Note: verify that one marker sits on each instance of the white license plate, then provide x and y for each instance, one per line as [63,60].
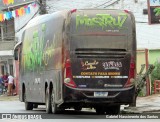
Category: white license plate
[100,94]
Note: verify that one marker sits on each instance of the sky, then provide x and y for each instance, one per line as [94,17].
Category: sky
[148,36]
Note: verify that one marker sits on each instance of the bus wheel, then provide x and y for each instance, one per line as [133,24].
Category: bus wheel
[78,108]
[100,110]
[48,101]
[55,109]
[28,105]
[112,110]
[133,104]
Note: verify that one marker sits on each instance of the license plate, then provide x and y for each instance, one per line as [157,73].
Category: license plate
[100,94]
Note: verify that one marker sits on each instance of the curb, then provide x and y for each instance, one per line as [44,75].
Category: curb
[9,98]
[140,110]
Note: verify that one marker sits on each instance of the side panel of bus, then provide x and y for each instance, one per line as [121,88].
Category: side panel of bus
[41,59]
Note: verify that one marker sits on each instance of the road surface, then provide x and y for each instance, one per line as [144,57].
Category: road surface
[16,107]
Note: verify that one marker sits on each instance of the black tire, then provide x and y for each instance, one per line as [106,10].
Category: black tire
[55,109]
[35,105]
[28,105]
[100,110]
[112,110]
[133,104]
[78,108]
[48,101]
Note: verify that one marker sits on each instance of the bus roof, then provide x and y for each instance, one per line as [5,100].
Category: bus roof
[43,18]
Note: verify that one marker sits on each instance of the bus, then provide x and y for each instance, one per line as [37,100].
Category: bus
[83,58]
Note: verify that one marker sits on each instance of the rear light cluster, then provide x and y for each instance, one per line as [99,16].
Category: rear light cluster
[126,11]
[131,73]
[74,10]
[68,81]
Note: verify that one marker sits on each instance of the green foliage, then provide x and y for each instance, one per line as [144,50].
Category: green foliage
[156,72]
[157,11]
[141,94]
[155,75]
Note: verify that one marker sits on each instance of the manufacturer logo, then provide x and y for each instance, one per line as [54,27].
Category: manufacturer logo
[112,65]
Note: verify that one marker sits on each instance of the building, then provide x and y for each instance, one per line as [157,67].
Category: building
[147,56]
[7,42]
[13,18]
[154,56]
[12,25]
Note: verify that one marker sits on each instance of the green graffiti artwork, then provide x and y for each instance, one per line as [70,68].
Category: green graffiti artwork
[101,20]
[33,51]
[157,11]
[38,49]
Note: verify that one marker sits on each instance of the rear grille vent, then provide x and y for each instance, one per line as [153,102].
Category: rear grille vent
[100,53]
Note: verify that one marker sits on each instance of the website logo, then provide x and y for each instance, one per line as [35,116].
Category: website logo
[6,116]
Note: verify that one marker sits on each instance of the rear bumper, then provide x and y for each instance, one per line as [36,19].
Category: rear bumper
[115,96]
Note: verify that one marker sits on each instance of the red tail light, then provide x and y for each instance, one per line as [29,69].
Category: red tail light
[131,73]
[74,10]
[68,69]
[68,81]
[126,11]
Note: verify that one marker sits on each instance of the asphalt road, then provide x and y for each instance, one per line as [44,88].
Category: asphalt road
[17,108]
